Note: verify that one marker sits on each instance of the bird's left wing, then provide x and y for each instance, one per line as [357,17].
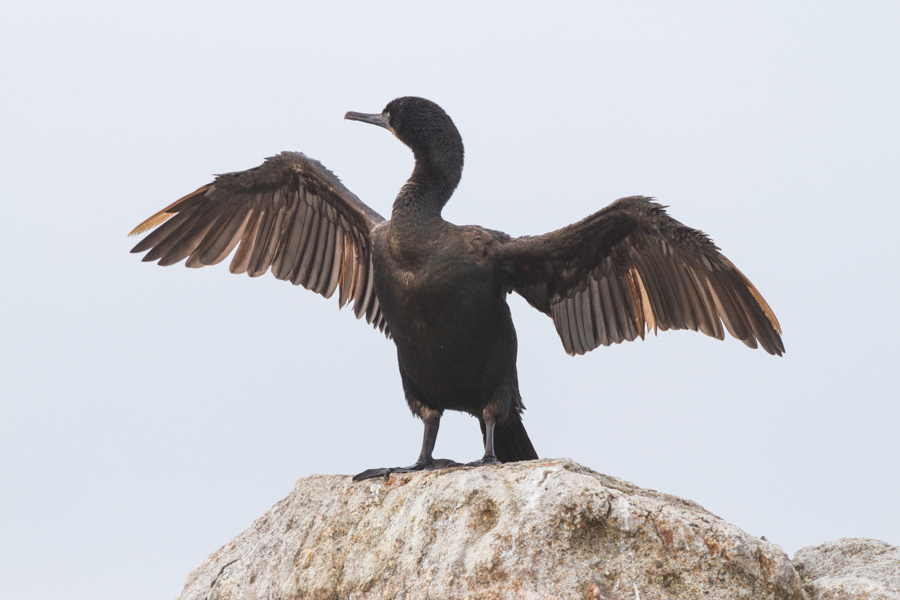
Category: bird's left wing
[291,214]
[628,268]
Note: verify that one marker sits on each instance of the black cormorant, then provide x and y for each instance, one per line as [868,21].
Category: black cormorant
[439,290]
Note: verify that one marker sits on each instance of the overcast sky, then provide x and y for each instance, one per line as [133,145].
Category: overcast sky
[150,414]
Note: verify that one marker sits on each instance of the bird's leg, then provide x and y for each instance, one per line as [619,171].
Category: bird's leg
[429,437]
[425,462]
[489,458]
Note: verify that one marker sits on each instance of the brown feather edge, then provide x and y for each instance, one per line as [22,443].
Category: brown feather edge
[166,213]
[757,296]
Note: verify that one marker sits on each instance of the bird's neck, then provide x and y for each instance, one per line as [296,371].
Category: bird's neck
[428,189]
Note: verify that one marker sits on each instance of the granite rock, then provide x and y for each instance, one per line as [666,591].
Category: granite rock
[850,569]
[531,530]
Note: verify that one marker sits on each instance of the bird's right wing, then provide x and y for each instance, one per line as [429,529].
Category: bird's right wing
[291,214]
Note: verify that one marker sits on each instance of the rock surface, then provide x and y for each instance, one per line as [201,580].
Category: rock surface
[850,569]
[534,530]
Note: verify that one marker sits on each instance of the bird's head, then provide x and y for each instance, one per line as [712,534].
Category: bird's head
[426,129]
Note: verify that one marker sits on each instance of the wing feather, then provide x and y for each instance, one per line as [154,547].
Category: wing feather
[162,232]
[245,249]
[185,228]
[270,246]
[349,271]
[267,219]
[630,268]
[324,279]
[292,247]
[227,239]
[315,267]
[287,228]
[337,257]
[597,316]
[711,314]
[191,240]
[310,236]
[290,215]
[656,295]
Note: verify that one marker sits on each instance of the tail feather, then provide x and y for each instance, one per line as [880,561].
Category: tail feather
[511,442]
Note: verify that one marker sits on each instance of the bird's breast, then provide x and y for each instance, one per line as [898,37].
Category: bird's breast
[438,292]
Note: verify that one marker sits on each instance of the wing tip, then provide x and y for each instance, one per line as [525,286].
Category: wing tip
[166,213]
[767,310]
[157,219]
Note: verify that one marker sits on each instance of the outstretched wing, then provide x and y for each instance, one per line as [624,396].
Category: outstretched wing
[290,214]
[629,268]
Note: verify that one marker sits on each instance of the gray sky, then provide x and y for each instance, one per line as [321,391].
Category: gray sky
[149,415]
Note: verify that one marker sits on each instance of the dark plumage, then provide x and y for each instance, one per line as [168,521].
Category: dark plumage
[439,290]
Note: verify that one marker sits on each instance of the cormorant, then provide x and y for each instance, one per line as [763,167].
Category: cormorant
[439,290]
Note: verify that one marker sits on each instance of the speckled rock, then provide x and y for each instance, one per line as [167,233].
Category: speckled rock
[532,530]
[850,569]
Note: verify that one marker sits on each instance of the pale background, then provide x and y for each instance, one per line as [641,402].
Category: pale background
[149,415]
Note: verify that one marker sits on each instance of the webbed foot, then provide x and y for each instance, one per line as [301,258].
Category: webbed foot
[440,463]
[487,460]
